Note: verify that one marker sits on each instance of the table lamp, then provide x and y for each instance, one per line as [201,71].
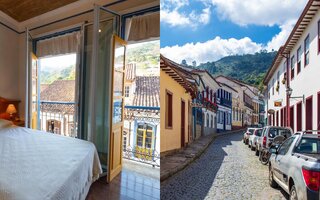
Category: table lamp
[11,110]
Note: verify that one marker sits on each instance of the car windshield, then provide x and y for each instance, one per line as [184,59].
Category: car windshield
[273,132]
[309,145]
[258,132]
[250,131]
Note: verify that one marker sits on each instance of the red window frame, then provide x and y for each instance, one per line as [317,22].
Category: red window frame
[169,112]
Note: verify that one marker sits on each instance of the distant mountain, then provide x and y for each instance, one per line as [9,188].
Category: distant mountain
[48,77]
[249,68]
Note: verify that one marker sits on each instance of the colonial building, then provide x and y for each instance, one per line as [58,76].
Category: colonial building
[206,101]
[224,113]
[177,88]
[292,82]
[57,108]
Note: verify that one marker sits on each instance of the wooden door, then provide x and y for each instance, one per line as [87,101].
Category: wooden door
[299,116]
[117,108]
[309,113]
[183,120]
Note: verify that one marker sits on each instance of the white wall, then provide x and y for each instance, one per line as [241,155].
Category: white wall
[307,82]
[9,65]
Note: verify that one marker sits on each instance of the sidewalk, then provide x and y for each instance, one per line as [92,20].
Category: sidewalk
[171,164]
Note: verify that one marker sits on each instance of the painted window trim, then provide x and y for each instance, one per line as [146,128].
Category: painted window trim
[166,107]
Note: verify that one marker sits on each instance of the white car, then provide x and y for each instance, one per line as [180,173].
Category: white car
[247,134]
[253,139]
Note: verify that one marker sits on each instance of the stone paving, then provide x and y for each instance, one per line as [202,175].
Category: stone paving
[228,169]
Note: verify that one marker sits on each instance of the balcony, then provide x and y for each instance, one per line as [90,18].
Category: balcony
[224,102]
[55,117]
[248,105]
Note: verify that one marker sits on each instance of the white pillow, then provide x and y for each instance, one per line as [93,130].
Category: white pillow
[5,123]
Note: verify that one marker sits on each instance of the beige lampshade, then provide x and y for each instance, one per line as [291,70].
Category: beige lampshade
[11,109]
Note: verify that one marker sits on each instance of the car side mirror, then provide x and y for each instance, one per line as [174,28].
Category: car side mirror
[274,149]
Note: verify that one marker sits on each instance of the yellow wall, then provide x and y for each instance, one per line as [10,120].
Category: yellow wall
[235,122]
[170,138]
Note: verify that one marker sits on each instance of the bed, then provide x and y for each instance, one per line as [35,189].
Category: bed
[37,165]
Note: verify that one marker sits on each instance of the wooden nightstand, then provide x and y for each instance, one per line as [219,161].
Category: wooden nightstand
[19,123]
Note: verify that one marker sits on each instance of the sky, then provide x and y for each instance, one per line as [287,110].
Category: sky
[58,62]
[207,30]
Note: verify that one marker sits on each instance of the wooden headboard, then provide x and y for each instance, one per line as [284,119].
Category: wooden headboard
[3,107]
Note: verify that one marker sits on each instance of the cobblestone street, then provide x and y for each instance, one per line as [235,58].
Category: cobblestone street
[228,169]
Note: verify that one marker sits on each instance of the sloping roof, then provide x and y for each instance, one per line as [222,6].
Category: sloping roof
[59,91]
[179,74]
[205,71]
[147,92]
[241,83]
[305,18]
[226,85]
[131,69]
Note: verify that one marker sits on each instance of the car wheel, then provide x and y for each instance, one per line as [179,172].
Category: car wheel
[293,193]
[272,182]
[252,148]
[257,151]
[249,145]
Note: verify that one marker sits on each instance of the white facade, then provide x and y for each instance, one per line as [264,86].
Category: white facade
[305,83]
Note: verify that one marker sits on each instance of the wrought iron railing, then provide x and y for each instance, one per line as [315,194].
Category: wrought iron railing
[56,117]
[147,156]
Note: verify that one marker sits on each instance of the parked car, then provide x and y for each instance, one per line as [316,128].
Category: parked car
[247,134]
[268,133]
[254,138]
[295,166]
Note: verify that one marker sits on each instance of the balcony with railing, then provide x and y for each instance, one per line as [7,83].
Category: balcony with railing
[55,117]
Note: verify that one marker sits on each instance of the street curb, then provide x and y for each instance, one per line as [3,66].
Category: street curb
[196,156]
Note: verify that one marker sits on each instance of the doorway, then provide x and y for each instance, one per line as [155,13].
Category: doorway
[292,117]
[56,95]
[299,116]
[183,114]
[309,113]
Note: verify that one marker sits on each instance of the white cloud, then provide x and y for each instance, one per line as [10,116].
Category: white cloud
[172,14]
[259,12]
[279,39]
[210,50]
[282,13]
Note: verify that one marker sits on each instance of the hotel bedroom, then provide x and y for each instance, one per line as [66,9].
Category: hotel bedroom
[59,137]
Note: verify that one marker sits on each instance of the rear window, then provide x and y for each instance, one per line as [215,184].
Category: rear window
[258,132]
[309,145]
[273,132]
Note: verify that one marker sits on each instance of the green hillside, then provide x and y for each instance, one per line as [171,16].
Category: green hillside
[47,77]
[250,68]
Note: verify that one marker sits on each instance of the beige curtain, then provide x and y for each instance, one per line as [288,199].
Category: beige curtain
[143,27]
[64,44]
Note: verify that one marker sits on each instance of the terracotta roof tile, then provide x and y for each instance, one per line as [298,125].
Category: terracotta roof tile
[147,91]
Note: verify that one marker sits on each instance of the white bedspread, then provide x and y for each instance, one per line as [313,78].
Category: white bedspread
[37,166]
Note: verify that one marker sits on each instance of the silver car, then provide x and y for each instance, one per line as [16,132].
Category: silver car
[253,139]
[295,166]
[268,133]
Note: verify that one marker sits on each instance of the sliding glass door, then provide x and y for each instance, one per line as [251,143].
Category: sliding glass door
[97,75]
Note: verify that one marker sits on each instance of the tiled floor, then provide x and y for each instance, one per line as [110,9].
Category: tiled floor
[130,184]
